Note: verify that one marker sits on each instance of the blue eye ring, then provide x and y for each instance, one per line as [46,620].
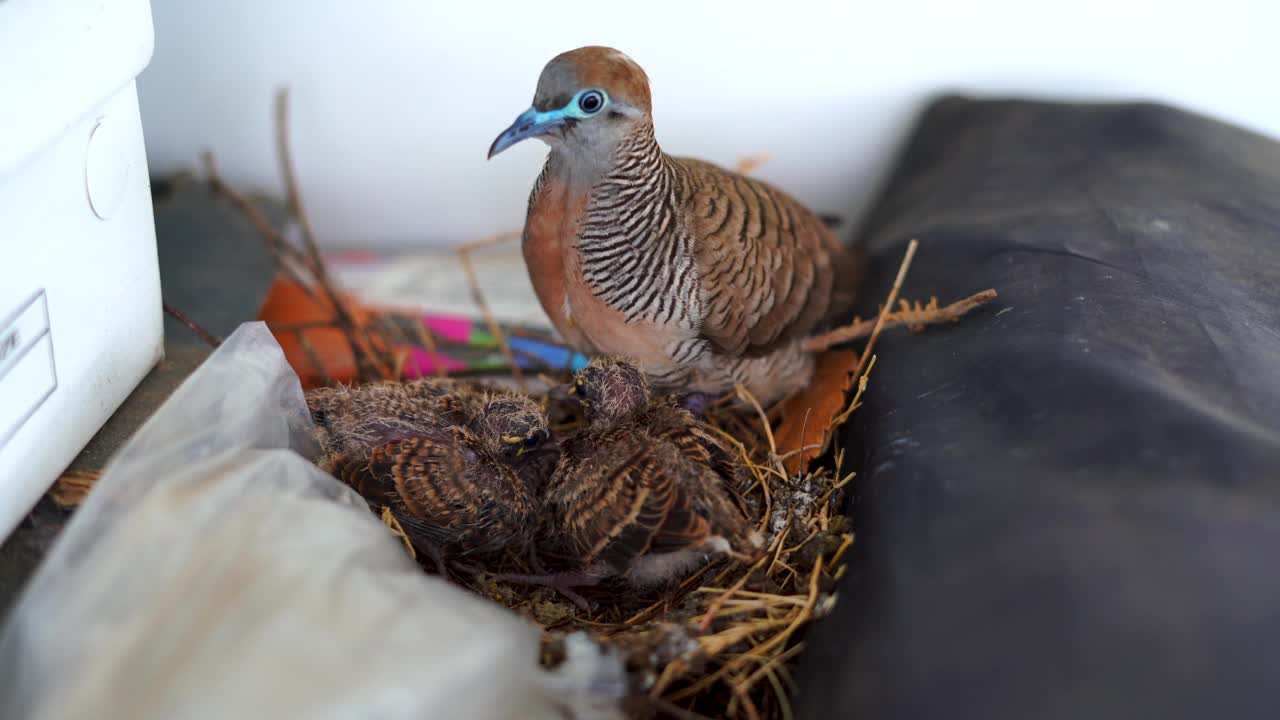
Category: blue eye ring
[591,102]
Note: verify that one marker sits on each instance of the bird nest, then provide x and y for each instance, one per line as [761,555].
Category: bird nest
[725,640]
[722,642]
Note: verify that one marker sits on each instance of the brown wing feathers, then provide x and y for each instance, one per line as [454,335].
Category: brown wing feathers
[766,264]
[418,480]
[637,506]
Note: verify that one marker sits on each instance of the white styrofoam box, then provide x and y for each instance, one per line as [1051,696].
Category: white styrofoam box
[80,311]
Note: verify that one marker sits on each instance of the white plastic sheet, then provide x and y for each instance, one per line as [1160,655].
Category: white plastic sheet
[216,573]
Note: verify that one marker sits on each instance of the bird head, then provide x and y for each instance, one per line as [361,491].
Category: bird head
[610,389]
[512,427]
[587,100]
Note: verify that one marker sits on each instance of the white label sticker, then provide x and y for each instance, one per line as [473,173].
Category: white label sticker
[27,373]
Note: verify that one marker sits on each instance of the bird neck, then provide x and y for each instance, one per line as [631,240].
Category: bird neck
[629,250]
[633,157]
[603,423]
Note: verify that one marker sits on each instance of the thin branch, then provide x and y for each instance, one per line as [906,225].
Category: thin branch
[804,427]
[275,240]
[750,163]
[884,312]
[710,615]
[393,523]
[856,402]
[428,340]
[491,240]
[205,335]
[284,254]
[670,709]
[771,663]
[295,328]
[804,616]
[464,255]
[369,365]
[313,357]
[395,331]
[913,318]
[746,394]
[293,196]
[73,487]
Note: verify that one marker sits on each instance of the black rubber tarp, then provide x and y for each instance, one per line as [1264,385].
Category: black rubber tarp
[1069,504]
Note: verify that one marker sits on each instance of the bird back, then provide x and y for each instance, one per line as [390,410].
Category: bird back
[770,269]
[352,420]
[444,490]
[623,493]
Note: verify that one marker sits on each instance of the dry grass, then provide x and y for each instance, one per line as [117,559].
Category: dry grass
[724,642]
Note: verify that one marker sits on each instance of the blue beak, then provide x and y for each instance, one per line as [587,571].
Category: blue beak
[530,124]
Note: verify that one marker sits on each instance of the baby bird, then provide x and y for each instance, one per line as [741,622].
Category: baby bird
[642,494]
[353,419]
[462,490]
[615,388]
[704,277]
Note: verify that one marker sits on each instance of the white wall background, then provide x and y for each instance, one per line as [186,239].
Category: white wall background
[395,102]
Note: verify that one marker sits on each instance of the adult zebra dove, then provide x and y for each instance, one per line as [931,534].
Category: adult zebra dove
[704,277]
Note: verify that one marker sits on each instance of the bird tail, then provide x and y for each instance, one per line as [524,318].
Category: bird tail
[850,272]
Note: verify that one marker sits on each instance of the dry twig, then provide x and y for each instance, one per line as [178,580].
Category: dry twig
[428,340]
[297,264]
[389,519]
[914,317]
[72,487]
[368,363]
[288,258]
[464,256]
[210,339]
[884,312]
[749,164]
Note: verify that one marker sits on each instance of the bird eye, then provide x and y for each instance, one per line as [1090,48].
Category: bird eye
[531,441]
[591,101]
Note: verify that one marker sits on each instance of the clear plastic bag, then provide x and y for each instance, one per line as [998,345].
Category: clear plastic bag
[214,572]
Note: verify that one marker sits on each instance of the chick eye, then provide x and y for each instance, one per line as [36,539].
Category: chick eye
[591,101]
[531,441]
